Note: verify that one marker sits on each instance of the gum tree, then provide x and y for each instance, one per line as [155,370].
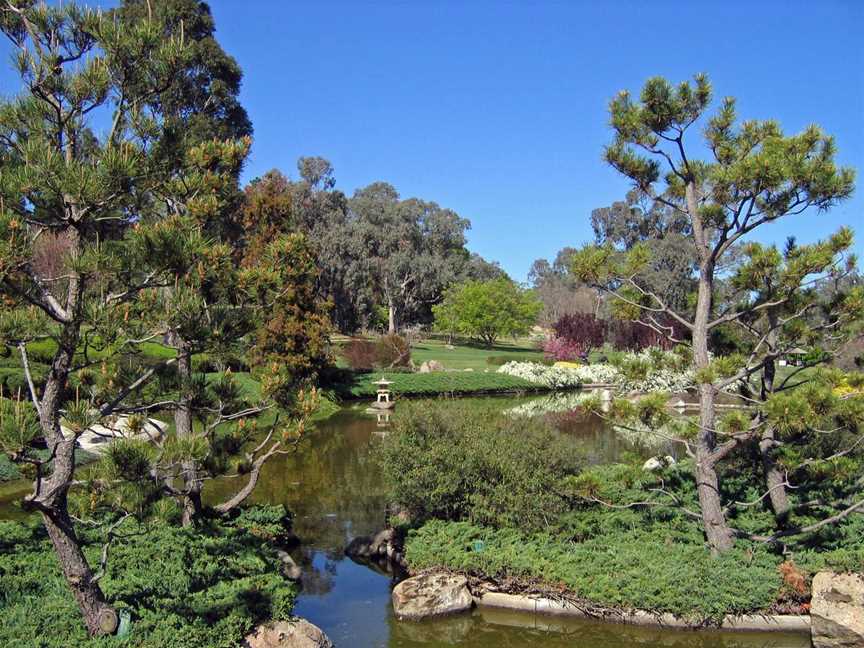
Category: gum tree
[740,177]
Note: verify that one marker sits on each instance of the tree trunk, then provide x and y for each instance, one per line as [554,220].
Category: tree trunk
[775,479]
[49,496]
[99,617]
[719,535]
[717,531]
[391,323]
[183,425]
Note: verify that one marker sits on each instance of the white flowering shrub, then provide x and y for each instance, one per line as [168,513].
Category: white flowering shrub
[651,370]
[561,377]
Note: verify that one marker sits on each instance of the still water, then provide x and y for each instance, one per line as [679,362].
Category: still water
[335,491]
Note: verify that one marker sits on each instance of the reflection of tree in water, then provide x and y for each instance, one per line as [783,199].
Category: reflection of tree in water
[318,579]
[331,483]
[596,439]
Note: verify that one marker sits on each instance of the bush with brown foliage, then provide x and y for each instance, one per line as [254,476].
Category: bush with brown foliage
[393,351]
[360,354]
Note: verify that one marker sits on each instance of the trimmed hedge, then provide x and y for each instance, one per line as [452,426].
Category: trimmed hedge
[437,382]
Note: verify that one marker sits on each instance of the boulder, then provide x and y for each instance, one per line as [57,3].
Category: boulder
[837,610]
[431,365]
[658,463]
[432,594]
[372,546]
[298,633]
[383,549]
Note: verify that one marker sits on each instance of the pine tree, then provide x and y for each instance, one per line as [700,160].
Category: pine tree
[107,244]
[62,181]
[754,175]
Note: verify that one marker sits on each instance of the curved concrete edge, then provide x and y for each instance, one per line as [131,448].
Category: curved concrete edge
[744,623]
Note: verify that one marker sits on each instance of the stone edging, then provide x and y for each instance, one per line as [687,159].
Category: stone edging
[539,605]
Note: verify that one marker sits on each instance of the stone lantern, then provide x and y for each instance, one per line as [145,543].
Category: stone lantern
[383,399]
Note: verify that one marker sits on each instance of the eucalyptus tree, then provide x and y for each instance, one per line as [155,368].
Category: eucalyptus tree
[665,232]
[410,247]
[752,174]
[559,291]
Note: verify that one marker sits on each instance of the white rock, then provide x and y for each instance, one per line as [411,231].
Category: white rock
[298,633]
[658,463]
[837,610]
[432,594]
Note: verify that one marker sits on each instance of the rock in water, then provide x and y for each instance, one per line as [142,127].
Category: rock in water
[371,546]
[298,633]
[837,610]
[431,595]
[290,568]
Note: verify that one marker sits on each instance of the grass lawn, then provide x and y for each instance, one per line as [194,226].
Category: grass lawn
[466,355]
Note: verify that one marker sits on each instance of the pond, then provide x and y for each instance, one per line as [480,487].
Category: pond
[335,491]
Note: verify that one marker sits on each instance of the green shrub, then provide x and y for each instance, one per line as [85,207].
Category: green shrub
[8,470]
[458,461]
[13,381]
[205,588]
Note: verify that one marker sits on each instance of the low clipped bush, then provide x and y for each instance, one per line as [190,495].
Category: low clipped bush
[437,383]
[207,587]
[458,461]
[13,381]
[657,569]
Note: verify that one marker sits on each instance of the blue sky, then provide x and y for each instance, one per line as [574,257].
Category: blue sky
[498,110]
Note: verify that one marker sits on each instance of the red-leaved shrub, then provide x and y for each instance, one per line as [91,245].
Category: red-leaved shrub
[561,349]
[582,330]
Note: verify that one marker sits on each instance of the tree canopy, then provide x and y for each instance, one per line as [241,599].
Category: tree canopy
[487,310]
[110,242]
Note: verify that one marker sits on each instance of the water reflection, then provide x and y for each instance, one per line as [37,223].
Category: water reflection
[493,628]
